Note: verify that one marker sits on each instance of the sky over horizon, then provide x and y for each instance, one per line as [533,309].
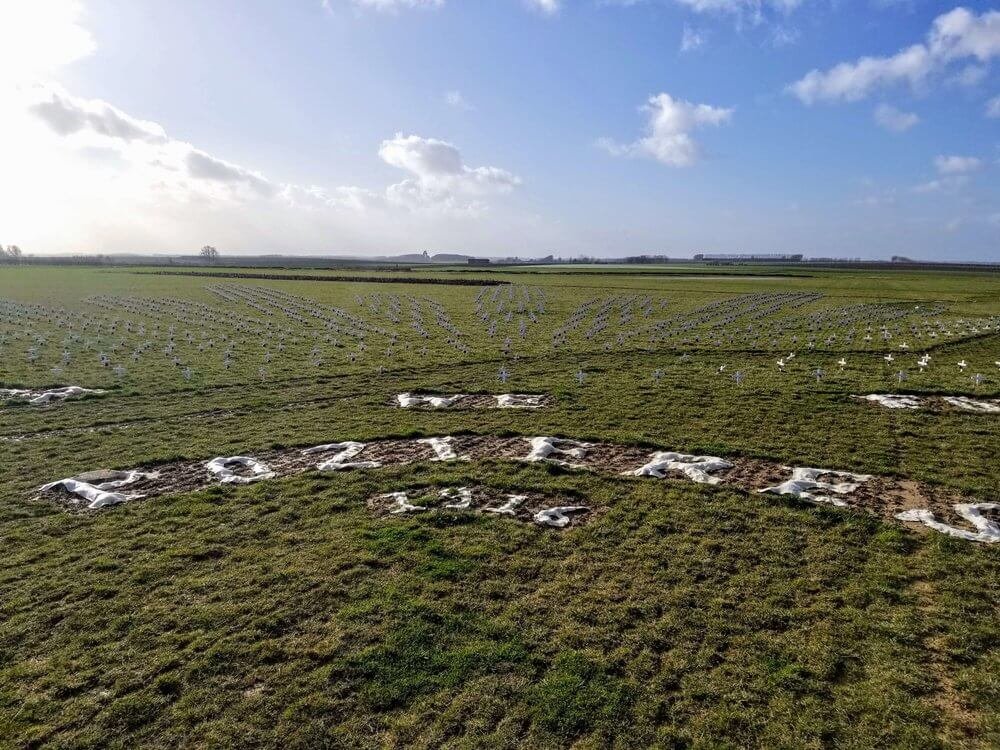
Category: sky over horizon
[501,127]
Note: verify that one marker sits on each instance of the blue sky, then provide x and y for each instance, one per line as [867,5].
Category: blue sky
[606,127]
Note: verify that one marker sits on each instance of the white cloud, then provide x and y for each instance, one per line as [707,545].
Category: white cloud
[753,7]
[39,36]
[66,115]
[391,6]
[953,171]
[893,119]
[456,100]
[315,197]
[942,185]
[546,7]
[691,39]
[205,167]
[970,76]
[742,11]
[947,165]
[439,176]
[668,131]
[854,81]
[993,107]
[783,36]
[81,174]
[959,34]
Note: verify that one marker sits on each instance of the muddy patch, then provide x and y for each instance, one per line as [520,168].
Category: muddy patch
[921,506]
[616,459]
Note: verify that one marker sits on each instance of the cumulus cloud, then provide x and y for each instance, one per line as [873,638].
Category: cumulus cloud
[140,154]
[140,150]
[440,178]
[66,114]
[893,119]
[81,174]
[956,164]
[77,178]
[854,81]
[203,166]
[668,131]
[957,35]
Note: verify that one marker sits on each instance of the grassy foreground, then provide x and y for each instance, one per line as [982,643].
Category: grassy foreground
[286,615]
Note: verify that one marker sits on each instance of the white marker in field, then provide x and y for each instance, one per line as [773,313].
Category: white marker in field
[986,530]
[806,484]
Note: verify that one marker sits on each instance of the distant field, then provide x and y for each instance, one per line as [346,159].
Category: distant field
[299,612]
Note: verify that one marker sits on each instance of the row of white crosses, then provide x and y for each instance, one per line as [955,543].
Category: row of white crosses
[277,319]
[752,321]
[326,330]
[508,313]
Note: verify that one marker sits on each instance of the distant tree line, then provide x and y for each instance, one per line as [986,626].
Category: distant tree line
[10,254]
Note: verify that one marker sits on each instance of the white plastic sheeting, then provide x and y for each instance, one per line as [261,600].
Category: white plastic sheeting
[971,404]
[112,480]
[986,530]
[401,504]
[345,452]
[695,468]
[40,398]
[95,496]
[461,498]
[408,400]
[444,449]
[894,401]
[15,393]
[509,508]
[95,486]
[519,401]
[222,468]
[805,484]
[549,448]
[559,517]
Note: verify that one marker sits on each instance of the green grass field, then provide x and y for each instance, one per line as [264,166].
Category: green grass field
[287,613]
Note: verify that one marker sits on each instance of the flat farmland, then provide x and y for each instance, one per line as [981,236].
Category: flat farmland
[738,509]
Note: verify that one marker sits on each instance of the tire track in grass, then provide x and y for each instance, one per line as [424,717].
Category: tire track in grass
[946,699]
